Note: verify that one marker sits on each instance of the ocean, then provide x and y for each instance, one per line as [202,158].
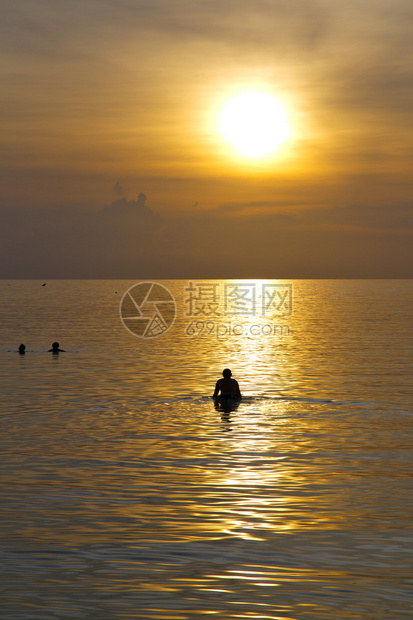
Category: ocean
[127,492]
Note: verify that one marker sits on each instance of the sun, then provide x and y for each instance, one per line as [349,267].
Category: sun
[255,124]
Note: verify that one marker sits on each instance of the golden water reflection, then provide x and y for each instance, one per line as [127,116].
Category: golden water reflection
[127,492]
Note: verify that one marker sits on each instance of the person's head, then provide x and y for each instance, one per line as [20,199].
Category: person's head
[226,373]
[22,348]
[55,346]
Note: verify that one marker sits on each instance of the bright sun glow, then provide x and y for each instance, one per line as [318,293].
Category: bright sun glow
[255,124]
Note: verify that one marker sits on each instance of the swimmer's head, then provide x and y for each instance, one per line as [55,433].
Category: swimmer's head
[55,345]
[226,373]
[22,348]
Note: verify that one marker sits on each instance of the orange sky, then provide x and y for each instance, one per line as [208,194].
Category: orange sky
[104,99]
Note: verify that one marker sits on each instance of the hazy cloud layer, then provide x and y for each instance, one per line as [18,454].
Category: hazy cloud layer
[127,239]
[110,97]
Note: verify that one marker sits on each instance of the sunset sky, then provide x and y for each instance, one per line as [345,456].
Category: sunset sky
[104,102]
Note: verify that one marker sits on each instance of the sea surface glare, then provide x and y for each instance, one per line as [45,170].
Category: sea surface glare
[126,492]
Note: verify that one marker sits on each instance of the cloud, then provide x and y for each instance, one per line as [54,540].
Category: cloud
[129,208]
[258,205]
[94,89]
[119,189]
[126,239]
[366,217]
[78,243]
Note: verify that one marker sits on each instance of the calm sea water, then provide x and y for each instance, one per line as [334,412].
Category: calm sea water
[126,492]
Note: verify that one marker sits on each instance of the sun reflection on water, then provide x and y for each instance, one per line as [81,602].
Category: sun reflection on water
[255,488]
[125,490]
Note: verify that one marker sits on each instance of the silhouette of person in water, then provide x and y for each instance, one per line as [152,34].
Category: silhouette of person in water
[55,348]
[228,387]
[22,349]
